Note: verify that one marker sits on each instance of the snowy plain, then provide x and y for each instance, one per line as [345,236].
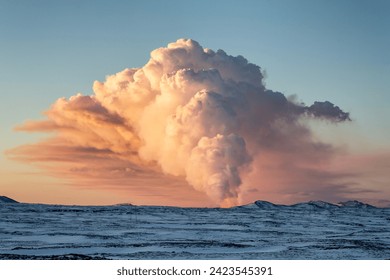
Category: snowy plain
[262,230]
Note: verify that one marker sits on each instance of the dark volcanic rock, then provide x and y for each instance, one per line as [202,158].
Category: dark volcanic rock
[50,257]
[266,205]
[5,199]
[355,204]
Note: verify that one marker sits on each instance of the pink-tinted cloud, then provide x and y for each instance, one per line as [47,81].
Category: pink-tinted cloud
[195,117]
[90,168]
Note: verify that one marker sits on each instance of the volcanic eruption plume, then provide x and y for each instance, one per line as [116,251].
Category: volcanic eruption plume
[190,112]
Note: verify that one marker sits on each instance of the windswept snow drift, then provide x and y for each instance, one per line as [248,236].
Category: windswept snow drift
[314,230]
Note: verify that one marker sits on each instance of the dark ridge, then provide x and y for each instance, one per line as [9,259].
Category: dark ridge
[315,205]
[50,257]
[5,199]
[123,204]
[266,205]
[318,204]
[355,204]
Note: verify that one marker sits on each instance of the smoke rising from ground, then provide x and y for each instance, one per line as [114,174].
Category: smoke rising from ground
[190,112]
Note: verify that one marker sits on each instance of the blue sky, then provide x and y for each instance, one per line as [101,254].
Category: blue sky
[319,50]
[336,50]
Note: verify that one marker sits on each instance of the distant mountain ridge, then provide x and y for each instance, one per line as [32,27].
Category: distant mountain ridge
[6,199]
[317,204]
[262,204]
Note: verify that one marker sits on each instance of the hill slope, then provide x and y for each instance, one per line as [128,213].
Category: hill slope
[5,199]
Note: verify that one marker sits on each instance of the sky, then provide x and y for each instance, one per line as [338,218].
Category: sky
[308,51]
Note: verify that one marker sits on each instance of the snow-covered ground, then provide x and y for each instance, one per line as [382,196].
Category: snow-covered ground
[257,231]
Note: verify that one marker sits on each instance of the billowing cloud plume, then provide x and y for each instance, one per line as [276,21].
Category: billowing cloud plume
[189,112]
[328,110]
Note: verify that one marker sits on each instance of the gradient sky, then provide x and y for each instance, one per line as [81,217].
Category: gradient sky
[318,50]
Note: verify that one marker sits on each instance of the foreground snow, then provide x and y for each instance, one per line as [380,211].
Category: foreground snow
[314,230]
